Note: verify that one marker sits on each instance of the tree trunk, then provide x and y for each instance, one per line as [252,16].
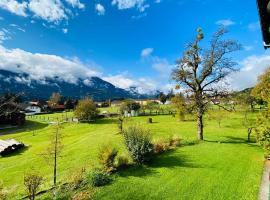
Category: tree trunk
[200,126]
[249,133]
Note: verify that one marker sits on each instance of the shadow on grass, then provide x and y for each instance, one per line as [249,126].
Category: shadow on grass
[136,171]
[28,126]
[106,121]
[234,140]
[170,160]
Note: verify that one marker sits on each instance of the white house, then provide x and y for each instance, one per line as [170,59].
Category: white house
[32,109]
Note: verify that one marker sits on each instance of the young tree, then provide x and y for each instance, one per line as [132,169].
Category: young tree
[32,182]
[200,71]
[249,123]
[86,110]
[217,115]
[54,150]
[179,103]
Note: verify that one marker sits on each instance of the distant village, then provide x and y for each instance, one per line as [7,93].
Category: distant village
[16,110]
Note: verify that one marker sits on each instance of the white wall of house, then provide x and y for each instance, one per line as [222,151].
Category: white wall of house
[33,109]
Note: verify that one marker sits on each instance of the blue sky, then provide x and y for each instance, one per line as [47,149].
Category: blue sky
[126,42]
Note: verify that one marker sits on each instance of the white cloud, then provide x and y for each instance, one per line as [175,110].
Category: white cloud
[126,4]
[225,22]
[254,26]
[17,27]
[49,10]
[76,3]
[248,48]
[144,7]
[100,9]
[14,7]
[65,30]
[157,1]
[146,52]
[251,68]
[41,66]
[4,35]
[136,17]
[163,66]
[143,85]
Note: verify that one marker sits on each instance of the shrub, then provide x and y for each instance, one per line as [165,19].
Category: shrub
[174,141]
[98,178]
[32,182]
[83,195]
[77,178]
[138,143]
[106,156]
[86,110]
[161,147]
[63,195]
[122,161]
[3,193]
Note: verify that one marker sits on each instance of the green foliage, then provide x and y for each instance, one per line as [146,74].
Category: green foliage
[178,101]
[98,178]
[3,192]
[138,143]
[122,161]
[151,105]
[217,115]
[263,131]
[199,163]
[86,110]
[32,183]
[262,89]
[106,157]
[129,105]
[77,178]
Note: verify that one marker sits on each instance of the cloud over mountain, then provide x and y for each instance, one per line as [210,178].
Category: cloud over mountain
[41,66]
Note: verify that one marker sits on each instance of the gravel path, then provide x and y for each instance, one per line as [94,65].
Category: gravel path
[264,189]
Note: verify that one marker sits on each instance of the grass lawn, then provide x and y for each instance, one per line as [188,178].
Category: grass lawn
[224,166]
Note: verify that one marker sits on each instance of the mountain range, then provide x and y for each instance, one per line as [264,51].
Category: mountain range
[32,89]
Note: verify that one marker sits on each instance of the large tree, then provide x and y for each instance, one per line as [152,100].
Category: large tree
[262,89]
[86,110]
[200,71]
[9,104]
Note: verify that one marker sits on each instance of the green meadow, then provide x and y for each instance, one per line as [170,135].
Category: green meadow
[224,166]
